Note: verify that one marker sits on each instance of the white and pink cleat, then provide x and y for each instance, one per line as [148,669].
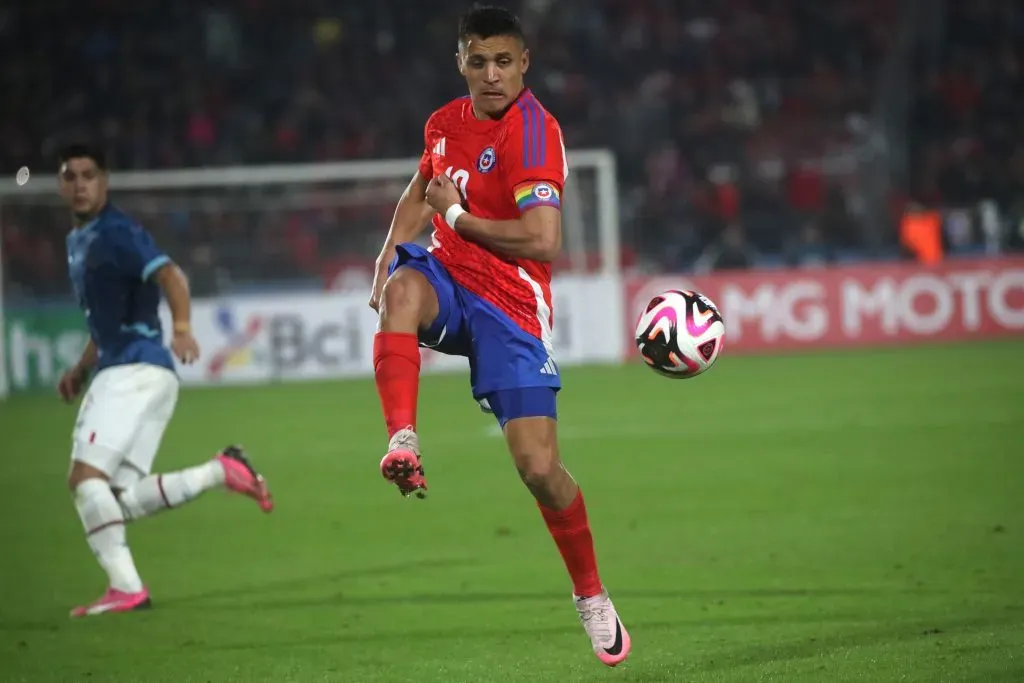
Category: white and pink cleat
[115,601]
[240,477]
[608,636]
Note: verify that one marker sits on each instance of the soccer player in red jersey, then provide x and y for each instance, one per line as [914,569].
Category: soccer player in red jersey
[491,178]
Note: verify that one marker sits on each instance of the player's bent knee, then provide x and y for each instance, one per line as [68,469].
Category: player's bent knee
[542,472]
[536,469]
[408,301]
[533,443]
[126,476]
[534,448]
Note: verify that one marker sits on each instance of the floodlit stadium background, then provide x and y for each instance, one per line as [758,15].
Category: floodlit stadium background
[838,499]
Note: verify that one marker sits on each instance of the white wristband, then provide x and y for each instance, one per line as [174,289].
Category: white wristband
[452,214]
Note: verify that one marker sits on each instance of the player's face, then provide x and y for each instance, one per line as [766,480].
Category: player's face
[493,68]
[83,185]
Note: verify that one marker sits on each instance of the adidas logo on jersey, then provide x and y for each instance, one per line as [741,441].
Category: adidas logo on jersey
[549,367]
[439,148]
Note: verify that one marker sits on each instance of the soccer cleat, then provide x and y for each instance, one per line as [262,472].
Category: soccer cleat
[401,466]
[115,601]
[601,622]
[240,477]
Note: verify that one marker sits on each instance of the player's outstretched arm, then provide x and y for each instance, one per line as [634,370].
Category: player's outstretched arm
[175,288]
[412,214]
[535,235]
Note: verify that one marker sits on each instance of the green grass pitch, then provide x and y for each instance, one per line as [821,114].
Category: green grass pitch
[831,517]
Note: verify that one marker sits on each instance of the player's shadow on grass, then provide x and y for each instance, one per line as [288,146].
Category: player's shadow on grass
[304,582]
[810,646]
[858,634]
[259,600]
[354,634]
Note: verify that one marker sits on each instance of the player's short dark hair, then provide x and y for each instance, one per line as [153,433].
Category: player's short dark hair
[488,21]
[80,150]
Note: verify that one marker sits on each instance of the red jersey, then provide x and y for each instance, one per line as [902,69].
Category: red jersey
[503,168]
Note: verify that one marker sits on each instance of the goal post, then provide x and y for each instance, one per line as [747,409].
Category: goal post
[4,382]
[251,230]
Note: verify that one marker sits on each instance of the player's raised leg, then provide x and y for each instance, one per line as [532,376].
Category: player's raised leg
[533,443]
[408,304]
[141,495]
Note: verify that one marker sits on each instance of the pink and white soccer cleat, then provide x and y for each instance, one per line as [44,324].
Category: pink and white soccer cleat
[607,635]
[115,601]
[240,477]
[401,466]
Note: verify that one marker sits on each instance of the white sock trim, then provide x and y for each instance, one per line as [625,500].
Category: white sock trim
[163,491]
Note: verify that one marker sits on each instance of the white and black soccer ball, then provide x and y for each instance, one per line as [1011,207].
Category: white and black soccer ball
[679,334]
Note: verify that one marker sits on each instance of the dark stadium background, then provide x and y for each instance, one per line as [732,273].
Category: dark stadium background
[809,516]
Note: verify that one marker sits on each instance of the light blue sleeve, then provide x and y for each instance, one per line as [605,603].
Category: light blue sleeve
[138,253]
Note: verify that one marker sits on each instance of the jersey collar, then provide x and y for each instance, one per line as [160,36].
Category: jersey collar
[473,122]
[86,227]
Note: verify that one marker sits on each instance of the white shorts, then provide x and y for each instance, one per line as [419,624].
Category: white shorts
[124,413]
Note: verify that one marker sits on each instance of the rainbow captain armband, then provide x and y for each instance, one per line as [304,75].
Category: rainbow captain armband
[531,194]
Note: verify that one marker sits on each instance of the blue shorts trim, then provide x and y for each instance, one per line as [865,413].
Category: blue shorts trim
[502,356]
[512,404]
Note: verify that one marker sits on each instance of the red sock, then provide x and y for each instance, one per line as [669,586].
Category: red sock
[571,531]
[396,367]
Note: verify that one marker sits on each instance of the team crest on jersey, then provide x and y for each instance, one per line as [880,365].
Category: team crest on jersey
[543,191]
[486,161]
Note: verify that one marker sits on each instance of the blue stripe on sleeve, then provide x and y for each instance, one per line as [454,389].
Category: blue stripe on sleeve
[540,131]
[526,137]
[534,133]
[152,266]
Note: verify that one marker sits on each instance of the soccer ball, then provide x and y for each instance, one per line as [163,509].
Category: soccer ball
[679,334]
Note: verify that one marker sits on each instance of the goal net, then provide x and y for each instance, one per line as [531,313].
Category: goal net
[248,233]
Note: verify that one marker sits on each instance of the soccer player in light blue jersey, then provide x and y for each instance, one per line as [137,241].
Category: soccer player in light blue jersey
[118,272]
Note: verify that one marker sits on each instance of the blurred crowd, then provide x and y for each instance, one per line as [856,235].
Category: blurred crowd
[966,126]
[744,130]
